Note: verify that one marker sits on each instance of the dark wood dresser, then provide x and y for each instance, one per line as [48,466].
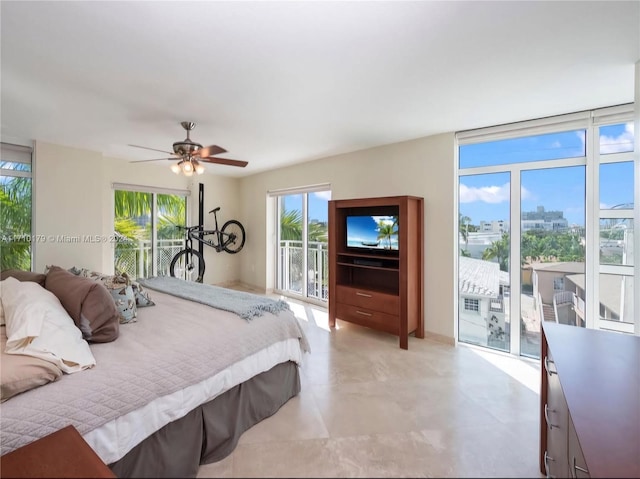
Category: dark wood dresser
[589,403]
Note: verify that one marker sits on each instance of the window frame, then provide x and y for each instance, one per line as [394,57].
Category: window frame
[17,154]
[590,121]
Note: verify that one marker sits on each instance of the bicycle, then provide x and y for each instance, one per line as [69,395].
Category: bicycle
[186,262]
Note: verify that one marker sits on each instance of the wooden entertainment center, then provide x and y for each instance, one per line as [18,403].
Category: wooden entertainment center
[373,285]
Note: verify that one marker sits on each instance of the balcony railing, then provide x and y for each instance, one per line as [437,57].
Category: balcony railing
[135,259]
[291,268]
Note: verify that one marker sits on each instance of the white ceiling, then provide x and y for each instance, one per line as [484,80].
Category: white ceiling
[282,82]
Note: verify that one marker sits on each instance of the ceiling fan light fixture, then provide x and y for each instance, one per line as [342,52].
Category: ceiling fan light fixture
[187,167]
[176,168]
[199,167]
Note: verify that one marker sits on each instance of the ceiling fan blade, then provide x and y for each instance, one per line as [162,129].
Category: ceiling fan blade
[155,159]
[210,150]
[225,161]
[154,149]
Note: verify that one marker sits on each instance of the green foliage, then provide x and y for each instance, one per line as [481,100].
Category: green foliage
[549,246]
[291,224]
[499,250]
[463,226]
[15,203]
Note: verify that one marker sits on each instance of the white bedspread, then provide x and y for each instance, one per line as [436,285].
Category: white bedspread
[178,355]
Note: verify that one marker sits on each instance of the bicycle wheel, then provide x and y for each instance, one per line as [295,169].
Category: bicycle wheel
[232,236]
[188,264]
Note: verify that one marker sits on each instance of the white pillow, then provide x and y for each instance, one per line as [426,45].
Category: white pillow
[39,326]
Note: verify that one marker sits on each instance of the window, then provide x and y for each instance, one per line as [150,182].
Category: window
[302,255]
[16,245]
[145,225]
[558,283]
[471,305]
[551,146]
[566,256]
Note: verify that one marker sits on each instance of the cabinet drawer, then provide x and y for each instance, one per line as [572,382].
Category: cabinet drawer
[556,417]
[577,464]
[368,317]
[372,300]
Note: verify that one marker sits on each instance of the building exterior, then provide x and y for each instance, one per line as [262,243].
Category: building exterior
[495,226]
[482,302]
[544,220]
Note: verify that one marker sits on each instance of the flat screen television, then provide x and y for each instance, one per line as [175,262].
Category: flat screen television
[374,233]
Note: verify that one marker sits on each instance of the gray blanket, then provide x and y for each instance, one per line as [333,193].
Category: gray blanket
[245,305]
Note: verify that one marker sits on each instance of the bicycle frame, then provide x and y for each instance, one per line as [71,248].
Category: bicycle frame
[198,234]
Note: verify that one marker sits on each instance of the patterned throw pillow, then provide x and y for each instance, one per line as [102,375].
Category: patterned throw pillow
[141,294]
[121,290]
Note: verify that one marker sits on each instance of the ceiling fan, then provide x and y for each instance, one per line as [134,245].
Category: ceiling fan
[192,154]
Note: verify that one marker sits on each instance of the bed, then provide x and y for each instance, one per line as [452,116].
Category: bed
[175,390]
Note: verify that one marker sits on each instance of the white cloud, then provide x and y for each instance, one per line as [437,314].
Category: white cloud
[486,194]
[525,194]
[617,144]
[490,194]
[325,195]
[387,220]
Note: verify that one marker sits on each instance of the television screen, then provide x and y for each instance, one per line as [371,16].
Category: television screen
[372,232]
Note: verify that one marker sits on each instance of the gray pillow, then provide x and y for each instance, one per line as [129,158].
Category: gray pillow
[120,289]
[88,302]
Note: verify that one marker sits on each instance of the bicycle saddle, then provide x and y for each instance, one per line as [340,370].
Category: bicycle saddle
[214,210]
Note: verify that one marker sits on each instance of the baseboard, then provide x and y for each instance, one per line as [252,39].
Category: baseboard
[237,284]
[440,338]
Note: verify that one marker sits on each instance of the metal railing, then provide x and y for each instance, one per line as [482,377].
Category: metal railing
[135,259]
[291,268]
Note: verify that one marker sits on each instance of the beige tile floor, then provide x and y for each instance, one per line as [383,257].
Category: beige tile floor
[369,409]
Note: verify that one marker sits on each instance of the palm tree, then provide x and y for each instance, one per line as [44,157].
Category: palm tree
[387,229]
[463,228]
[291,225]
[15,244]
[132,222]
[500,251]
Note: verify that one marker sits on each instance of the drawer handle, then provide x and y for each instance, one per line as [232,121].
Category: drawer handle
[546,416]
[577,468]
[363,313]
[358,293]
[546,366]
[547,458]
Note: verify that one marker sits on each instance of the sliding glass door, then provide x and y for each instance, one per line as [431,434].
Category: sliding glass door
[146,227]
[302,252]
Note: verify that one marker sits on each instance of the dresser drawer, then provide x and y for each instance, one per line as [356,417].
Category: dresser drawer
[371,300]
[368,317]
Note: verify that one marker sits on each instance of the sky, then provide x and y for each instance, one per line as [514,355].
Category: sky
[318,204]
[487,197]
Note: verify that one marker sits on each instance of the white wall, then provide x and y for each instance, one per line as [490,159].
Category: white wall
[423,167]
[73,198]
